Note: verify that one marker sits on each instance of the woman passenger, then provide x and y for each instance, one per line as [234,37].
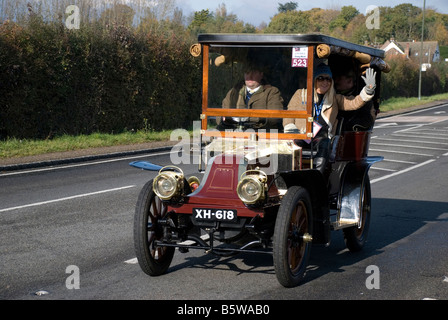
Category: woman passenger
[327,103]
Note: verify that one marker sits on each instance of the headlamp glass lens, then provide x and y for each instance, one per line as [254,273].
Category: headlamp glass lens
[250,190]
[165,186]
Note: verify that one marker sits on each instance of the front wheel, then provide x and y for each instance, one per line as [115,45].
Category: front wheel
[149,210]
[293,236]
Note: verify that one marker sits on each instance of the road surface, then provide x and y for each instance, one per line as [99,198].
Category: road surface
[66,232]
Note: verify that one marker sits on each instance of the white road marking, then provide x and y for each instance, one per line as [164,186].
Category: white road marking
[399,161]
[401,152]
[131,261]
[414,119]
[431,130]
[64,199]
[412,141]
[385,124]
[402,171]
[432,136]
[82,164]
[406,146]
[382,169]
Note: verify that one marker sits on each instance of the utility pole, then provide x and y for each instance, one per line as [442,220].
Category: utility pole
[421,54]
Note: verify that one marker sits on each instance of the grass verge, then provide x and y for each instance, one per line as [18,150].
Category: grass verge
[402,103]
[13,147]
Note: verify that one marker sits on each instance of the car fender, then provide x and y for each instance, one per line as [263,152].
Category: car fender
[313,181]
[352,183]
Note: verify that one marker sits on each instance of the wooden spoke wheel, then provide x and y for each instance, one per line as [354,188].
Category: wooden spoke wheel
[293,236]
[149,210]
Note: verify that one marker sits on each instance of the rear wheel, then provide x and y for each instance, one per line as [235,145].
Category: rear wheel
[149,210]
[293,236]
[355,237]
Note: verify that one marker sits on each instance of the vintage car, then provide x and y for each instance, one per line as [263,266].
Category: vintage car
[257,189]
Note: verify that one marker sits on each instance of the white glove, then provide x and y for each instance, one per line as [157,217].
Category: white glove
[369,79]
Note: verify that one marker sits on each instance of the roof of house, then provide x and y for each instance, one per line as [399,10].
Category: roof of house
[414,47]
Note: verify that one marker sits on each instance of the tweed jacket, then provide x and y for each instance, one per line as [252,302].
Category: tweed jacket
[267,97]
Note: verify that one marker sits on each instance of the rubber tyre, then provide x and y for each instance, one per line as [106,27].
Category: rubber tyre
[290,252]
[149,209]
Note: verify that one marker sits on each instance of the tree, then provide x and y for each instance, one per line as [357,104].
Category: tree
[407,20]
[289,22]
[200,21]
[344,18]
[289,6]
[320,19]
[220,22]
[441,34]
[224,21]
[119,14]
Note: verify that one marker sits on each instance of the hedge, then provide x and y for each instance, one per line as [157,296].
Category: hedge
[98,78]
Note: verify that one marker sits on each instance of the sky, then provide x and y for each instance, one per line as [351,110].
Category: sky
[257,11]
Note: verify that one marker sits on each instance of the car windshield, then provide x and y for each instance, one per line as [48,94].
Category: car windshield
[256,79]
[230,66]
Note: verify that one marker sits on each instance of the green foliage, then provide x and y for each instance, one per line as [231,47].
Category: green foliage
[201,21]
[128,67]
[403,103]
[119,14]
[443,52]
[289,22]
[402,22]
[289,6]
[345,16]
[403,79]
[101,78]
[220,22]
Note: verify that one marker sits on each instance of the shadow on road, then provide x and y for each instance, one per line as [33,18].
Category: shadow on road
[391,221]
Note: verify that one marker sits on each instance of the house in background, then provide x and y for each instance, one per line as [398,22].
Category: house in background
[411,50]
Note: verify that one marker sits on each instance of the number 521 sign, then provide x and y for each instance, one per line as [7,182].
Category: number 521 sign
[299,57]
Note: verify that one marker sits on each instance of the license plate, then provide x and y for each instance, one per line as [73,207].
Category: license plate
[207,214]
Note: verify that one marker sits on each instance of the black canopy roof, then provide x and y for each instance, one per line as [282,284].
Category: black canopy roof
[248,39]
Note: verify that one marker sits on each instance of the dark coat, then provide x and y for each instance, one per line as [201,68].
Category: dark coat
[267,97]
